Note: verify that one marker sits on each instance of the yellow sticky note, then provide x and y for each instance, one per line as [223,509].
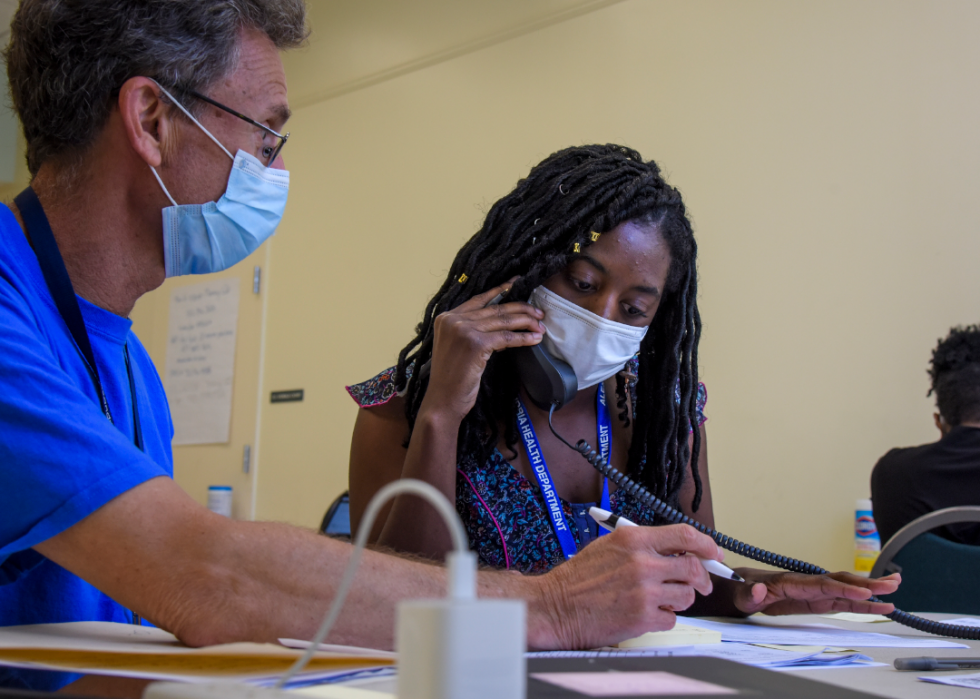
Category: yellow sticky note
[680,635]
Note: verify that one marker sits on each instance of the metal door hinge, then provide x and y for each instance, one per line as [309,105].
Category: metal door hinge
[246,458]
[256,279]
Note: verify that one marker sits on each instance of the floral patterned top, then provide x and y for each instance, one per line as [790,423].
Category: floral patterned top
[504,513]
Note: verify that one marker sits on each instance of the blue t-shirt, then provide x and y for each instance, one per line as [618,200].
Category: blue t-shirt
[60,458]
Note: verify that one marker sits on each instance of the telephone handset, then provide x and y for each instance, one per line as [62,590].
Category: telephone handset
[551,383]
[548,380]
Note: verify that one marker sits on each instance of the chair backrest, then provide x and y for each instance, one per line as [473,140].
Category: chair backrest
[336,521]
[938,575]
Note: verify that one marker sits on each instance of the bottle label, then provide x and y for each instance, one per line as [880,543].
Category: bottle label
[864,526]
[864,561]
[867,543]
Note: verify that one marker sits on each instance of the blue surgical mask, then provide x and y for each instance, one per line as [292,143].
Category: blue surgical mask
[203,238]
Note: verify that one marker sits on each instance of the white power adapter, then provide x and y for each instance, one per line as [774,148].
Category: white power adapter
[461,647]
[211,690]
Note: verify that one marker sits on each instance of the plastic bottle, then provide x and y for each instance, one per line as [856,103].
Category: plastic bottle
[219,499]
[867,544]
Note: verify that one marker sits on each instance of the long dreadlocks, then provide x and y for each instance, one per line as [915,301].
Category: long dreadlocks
[532,232]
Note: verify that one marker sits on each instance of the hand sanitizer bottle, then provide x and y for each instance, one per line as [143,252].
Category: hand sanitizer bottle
[867,544]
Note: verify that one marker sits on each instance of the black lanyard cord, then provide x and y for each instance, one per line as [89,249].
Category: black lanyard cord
[59,283]
[63,293]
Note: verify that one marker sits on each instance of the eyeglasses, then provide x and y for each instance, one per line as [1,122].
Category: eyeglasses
[269,152]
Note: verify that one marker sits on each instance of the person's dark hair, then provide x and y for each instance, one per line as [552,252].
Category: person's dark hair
[531,232]
[955,375]
[67,59]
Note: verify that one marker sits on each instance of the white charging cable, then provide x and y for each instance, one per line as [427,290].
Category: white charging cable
[461,563]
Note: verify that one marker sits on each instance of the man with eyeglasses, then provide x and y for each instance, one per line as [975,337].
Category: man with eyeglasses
[154,141]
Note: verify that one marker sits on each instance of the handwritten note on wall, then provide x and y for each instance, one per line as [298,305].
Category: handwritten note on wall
[201,360]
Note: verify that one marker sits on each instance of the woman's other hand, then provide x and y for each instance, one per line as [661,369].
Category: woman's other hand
[796,593]
[464,339]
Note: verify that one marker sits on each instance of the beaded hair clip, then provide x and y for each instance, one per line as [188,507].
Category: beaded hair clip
[577,247]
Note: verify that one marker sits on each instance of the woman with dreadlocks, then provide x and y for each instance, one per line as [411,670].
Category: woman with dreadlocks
[592,255]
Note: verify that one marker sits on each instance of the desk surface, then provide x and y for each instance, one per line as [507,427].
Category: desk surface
[882,681]
[887,681]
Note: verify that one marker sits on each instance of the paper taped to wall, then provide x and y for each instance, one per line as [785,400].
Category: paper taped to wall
[201,360]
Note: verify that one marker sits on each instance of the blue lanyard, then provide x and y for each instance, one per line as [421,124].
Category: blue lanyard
[551,500]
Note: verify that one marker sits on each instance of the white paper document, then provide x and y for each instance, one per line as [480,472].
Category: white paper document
[333,691]
[968,681]
[334,648]
[963,621]
[744,653]
[854,616]
[201,360]
[815,635]
[139,651]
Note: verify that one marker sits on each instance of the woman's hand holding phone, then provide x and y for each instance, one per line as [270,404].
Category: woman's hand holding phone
[466,337]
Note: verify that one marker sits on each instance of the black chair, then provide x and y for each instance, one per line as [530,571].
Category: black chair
[336,521]
[938,575]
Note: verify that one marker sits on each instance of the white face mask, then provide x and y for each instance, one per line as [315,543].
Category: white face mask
[595,348]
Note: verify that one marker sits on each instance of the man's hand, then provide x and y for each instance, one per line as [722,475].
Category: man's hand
[796,593]
[621,586]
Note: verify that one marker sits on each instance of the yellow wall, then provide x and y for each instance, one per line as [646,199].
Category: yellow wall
[828,153]
[9,190]
[830,158]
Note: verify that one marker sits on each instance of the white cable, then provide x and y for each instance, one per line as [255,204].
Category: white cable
[457,587]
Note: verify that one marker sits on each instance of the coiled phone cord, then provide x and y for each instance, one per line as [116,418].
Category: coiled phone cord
[755,553]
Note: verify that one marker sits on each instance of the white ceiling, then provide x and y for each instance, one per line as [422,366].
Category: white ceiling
[356,43]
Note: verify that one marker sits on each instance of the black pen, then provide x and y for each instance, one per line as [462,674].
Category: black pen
[936,663]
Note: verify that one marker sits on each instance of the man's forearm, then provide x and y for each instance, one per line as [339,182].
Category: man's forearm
[211,580]
[281,608]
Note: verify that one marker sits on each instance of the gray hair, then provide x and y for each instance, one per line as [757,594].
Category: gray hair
[67,59]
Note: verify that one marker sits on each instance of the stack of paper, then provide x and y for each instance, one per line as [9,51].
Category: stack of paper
[759,656]
[771,646]
[139,651]
[750,631]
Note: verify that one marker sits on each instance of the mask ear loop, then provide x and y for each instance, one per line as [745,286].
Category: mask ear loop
[162,186]
[199,125]
[191,117]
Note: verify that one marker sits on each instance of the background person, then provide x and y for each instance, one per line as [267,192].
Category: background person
[592,244]
[910,482]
